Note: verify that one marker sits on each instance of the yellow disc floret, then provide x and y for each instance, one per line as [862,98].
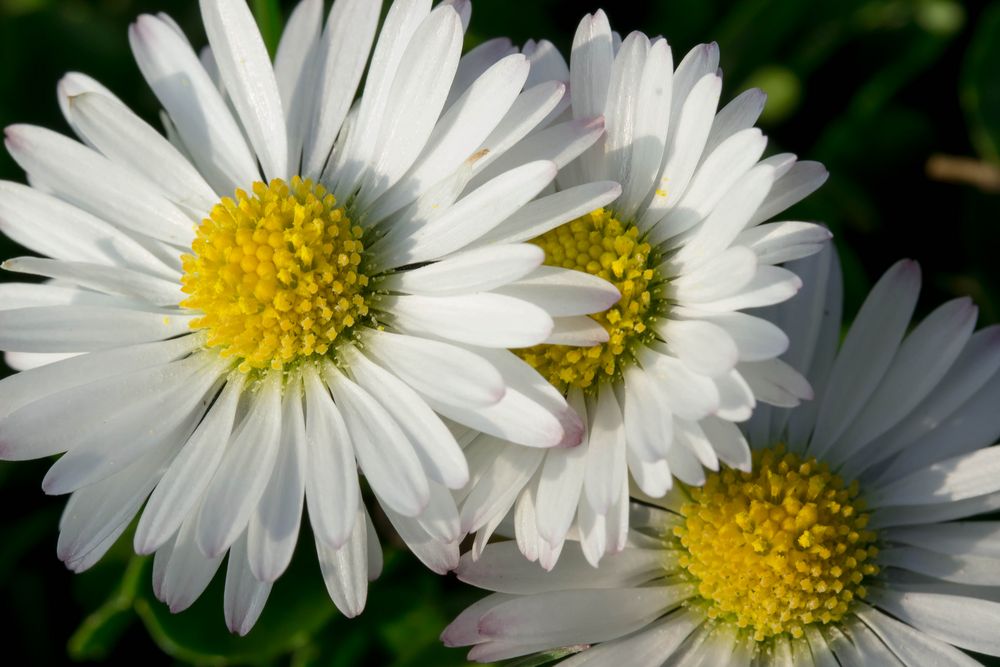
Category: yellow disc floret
[601,245]
[277,274]
[779,548]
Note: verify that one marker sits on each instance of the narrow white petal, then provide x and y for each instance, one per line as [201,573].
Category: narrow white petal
[487,319]
[770,285]
[866,353]
[126,139]
[954,479]
[249,80]
[295,71]
[496,486]
[756,338]
[195,105]
[189,474]
[420,362]
[960,568]
[689,394]
[478,270]
[548,212]
[723,275]
[577,331]
[110,280]
[779,242]
[343,52]
[440,557]
[332,489]
[912,647]
[274,528]
[385,453]
[95,183]
[560,484]
[738,115]
[243,474]
[705,348]
[800,181]
[345,570]
[186,572]
[439,454]
[775,382]
[562,292]
[591,61]
[85,328]
[606,469]
[245,596]
[961,621]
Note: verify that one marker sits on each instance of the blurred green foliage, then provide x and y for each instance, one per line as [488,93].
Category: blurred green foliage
[872,88]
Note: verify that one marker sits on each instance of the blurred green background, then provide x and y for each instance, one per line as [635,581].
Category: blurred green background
[899,98]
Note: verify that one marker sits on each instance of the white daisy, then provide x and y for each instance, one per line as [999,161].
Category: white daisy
[676,362]
[232,356]
[841,547]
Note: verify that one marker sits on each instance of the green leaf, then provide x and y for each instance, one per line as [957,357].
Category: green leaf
[297,609]
[269,20]
[100,631]
[980,86]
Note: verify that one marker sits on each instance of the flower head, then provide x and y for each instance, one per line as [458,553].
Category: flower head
[853,539]
[252,308]
[663,375]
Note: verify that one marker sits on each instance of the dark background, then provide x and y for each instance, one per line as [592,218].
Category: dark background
[900,99]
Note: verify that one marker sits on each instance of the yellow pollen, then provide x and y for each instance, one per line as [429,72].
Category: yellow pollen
[601,245]
[277,274]
[779,548]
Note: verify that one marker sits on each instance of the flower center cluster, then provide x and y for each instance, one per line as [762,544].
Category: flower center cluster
[778,548]
[600,244]
[277,273]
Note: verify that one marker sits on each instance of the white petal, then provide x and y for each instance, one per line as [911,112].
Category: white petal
[189,474]
[245,596]
[548,212]
[186,571]
[332,489]
[606,469]
[274,528]
[721,276]
[779,242]
[770,285]
[560,484]
[474,63]
[420,362]
[960,568]
[912,647]
[461,130]
[487,318]
[866,353]
[705,348]
[741,113]
[478,270]
[425,74]
[244,472]
[591,61]
[126,139]
[531,413]
[343,52]
[923,359]
[384,452]
[954,479]
[92,181]
[796,184]
[961,621]
[577,331]
[648,425]
[756,339]
[689,395]
[647,648]
[27,387]
[345,570]
[356,159]
[721,170]
[85,328]
[508,470]
[195,105]
[52,227]
[562,292]
[294,70]
[471,217]
[775,382]
[439,454]
[249,80]
[440,557]
[107,279]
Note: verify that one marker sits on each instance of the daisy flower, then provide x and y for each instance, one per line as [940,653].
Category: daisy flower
[289,288]
[854,540]
[662,376]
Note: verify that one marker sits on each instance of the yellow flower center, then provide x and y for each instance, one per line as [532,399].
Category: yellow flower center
[277,273]
[778,548]
[601,245]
